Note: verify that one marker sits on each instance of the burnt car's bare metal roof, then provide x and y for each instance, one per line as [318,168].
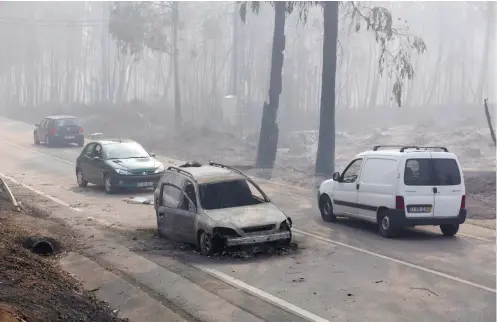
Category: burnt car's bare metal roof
[211,174]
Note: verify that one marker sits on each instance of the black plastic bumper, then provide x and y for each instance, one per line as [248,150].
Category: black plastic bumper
[400,219]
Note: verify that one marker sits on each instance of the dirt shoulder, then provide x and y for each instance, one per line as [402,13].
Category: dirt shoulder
[32,287]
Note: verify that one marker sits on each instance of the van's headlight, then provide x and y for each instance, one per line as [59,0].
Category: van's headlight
[123,172]
[159,169]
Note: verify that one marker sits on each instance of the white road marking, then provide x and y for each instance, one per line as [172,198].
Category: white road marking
[421,268]
[37,152]
[395,260]
[261,294]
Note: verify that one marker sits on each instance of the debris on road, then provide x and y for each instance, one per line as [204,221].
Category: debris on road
[139,200]
[41,245]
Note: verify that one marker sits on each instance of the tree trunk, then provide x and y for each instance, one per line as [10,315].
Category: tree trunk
[177,92]
[234,54]
[489,120]
[268,139]
[325,159]
[486,50]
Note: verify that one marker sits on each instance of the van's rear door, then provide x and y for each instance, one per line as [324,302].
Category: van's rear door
[419,198]
[449,185]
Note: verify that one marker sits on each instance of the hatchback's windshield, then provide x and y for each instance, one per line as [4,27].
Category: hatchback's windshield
[432,172]
[229,194]
[125,150]
[66,122]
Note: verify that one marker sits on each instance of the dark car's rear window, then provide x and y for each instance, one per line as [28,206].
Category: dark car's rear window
[66,122]
[432,172]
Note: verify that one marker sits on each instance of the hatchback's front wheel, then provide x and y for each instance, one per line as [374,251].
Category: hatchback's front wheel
[81,181]
[208,245]
[108,185]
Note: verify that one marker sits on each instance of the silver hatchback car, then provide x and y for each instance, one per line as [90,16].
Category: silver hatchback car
[215,206]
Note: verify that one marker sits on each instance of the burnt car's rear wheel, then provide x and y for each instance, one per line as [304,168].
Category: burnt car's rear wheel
[208,245]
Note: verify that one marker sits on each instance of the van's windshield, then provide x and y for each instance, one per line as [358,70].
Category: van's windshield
[431,172]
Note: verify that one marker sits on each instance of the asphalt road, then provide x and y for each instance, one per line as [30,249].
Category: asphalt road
[342,271]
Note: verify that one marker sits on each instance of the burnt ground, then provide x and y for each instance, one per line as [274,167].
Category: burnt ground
[32,287]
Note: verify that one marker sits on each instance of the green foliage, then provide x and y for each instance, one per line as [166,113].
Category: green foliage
[396,44]
[138,25]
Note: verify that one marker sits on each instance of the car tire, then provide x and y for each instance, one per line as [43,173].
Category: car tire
[449,230]
[108,185]
[207,245]
[81,142]
[48,141]
[326,209]
[386,227]
[35,138]
[80,179]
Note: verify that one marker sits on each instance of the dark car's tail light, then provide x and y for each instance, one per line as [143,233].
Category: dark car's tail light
[399,203]
[53,131]
[463,202]
[80,130]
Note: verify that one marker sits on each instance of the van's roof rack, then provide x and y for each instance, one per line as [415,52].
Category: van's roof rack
[405,147]
[181,171]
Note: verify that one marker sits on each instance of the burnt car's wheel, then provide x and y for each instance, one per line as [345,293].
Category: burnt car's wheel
[208,245]
[287,241]
[108,185]
[326,208]
[35,138]
[79,177]
[449,230]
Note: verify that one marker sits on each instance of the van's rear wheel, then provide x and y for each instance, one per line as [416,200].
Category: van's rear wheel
[326,208]
[449,230]
[386,227]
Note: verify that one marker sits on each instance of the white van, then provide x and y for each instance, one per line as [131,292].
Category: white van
[400,186]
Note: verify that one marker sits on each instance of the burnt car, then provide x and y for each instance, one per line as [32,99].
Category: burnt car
[117,164]
[216,206]
[59,129]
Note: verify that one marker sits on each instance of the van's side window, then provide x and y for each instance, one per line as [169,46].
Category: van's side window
[352,172]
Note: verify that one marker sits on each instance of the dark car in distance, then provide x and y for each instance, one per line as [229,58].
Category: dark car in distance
[59,129]
[117,164]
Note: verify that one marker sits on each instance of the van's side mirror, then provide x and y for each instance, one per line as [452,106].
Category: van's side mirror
[336,176]
[37,125]
[152,155]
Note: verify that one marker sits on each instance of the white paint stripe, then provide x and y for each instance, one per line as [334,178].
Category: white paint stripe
[261,294]
[476,237]
[398,261]
[37,152]
[41,193]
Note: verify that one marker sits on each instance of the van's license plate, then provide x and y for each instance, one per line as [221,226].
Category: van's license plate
[419,209]
[144,184]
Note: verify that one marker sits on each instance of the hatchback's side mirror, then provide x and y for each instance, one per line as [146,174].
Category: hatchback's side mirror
[336,176]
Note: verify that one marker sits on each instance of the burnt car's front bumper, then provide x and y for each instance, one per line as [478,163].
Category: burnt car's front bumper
[259,239]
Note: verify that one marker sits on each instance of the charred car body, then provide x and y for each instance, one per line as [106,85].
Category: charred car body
[215,206]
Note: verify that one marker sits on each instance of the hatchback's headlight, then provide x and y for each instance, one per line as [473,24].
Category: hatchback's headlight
[159,169]
[123,172]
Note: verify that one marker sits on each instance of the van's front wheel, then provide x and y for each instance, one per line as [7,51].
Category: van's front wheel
[449,230]
[326,208]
